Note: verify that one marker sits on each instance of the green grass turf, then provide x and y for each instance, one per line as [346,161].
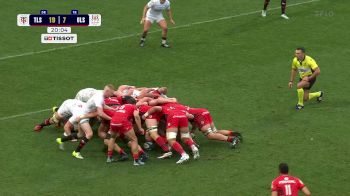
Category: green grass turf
[238,68]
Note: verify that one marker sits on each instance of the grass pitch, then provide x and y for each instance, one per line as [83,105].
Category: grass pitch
[237,67]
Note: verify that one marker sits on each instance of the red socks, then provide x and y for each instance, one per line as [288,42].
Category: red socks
[121,151]
[161,142]
[177,147]
[189,142]
[141,152]
[110,153]
[135,156]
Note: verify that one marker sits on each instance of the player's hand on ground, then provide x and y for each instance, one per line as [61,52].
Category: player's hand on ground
[172,21]
[142,20]
[290,84]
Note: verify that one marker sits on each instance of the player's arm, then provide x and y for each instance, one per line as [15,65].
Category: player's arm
[274,189]
[138,122]
[101,114]
[143,101]
[151,111]
[88,115]
[293,73]
[306,191]
[143,18]
[315,73]
[107,107]
[170,15]
[161,100]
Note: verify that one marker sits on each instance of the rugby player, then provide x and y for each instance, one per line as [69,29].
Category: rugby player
[283,9]
[287,185]
[94,105]
[152,12]
[121,123]
[176,120]
[203,121]
[308,72]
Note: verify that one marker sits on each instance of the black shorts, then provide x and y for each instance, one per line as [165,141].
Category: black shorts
[312,82]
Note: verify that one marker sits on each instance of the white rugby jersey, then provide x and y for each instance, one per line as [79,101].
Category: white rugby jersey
[85,94]
[70,106]
[156,8]
[96,101]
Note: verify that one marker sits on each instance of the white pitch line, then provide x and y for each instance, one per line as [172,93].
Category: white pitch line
[126,36]
[136,34]
[24,114]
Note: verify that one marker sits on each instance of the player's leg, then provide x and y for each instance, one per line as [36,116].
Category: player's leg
[163,25]
[306,94]
[68,135]
[171,134]
[55,119]
[110,143]
[212,135]
[264,11]
[130,134]
[300,90]
[143,156]
[146,27]
[103,132]
[318,95]
[186,138]
[283,9]
[88,133]
[152,129]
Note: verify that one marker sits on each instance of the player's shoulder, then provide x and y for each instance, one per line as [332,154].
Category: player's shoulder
[72,101]
[309,58]
[99,93]
[295,60]
[283,178]
[296,178]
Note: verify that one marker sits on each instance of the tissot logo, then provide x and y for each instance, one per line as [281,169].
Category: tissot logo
[59,38]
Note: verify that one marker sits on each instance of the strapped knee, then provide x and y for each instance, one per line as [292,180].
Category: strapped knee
[209,131]
[185,135]
[152,129]
[54,120]
[108,136]
[171,135]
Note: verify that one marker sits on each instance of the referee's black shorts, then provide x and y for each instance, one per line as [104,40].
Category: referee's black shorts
[312,82]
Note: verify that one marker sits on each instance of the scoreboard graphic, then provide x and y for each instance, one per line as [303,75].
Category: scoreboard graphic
[59,25]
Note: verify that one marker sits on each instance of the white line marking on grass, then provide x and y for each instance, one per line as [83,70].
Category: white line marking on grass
[24,114]
[136,34]
[123,37]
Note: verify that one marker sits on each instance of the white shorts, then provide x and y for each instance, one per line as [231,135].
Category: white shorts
[154,18]
[76,113]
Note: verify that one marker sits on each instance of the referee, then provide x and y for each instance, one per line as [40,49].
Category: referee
[308,72]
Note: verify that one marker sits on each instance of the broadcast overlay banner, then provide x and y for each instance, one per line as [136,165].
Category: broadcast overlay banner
[59,38]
